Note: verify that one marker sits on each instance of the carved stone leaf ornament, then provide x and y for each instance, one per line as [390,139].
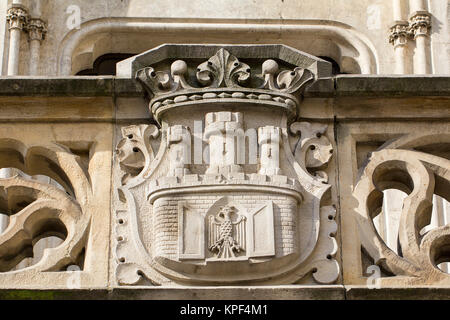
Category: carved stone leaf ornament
[313,149]
[161,81]
[253,205]
[286,81]
[223,70]
[134,149]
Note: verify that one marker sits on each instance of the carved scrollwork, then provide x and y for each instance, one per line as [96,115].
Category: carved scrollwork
[313,150]
[322,247]
[286,81]
[135,150]
[223,70]
[162,82]
[420,175]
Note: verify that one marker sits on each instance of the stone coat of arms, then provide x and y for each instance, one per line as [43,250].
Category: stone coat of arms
[226,186]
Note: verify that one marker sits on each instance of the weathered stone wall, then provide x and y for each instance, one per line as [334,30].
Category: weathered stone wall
[78,116]
[347,196]
[356,35]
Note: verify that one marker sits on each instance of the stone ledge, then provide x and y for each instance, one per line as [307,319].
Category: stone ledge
[291,292]
[397,293]
[82,86]
[331,292]
[342,85]
[392,85]
[323,87]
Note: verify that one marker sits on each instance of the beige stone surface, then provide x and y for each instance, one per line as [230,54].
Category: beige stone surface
[355,35]
[56,109]
[78,157]
[146,184]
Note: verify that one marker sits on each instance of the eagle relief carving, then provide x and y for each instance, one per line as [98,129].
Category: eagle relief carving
[227,179]
[227,236]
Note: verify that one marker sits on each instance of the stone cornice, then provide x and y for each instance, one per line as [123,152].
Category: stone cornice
[341,85]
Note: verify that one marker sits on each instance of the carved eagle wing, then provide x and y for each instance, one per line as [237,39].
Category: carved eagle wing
[239,232]
[214,231]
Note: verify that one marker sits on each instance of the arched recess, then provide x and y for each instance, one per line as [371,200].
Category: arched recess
[80,48]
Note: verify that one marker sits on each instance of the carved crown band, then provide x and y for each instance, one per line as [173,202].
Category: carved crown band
[223,78]
[234,182]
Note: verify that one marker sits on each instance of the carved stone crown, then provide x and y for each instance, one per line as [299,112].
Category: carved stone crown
[225,79]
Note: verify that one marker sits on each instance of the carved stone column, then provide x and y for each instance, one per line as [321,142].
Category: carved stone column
[419,26]
[398,37]
[37,29]
[17,18]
